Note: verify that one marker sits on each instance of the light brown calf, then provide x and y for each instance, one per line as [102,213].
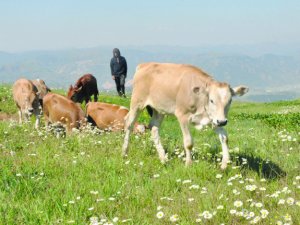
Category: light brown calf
[42,89]
[60,110]
[185,91]
[109,116]
[26,97]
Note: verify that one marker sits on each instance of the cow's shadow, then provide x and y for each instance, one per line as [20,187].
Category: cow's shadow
[264,168]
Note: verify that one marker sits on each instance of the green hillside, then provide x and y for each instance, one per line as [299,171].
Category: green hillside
[82,178]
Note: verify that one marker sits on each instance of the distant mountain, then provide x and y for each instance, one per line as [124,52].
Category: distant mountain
[265,74]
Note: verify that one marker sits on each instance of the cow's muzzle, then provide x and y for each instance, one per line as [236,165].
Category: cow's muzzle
[221,123]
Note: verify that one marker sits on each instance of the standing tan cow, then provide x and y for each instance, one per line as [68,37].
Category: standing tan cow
[109,116]
[61,110]
[26,97]
[186,92]
[42,89]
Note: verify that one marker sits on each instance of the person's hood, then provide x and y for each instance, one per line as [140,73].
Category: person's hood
[116,52]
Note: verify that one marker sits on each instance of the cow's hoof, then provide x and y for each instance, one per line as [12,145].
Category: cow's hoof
[163,160]
[223,166]
[188,163]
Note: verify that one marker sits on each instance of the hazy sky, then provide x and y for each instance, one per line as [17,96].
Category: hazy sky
[57,24]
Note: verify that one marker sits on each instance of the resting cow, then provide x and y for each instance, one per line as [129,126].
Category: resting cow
[85,87]
[59,109]
[109,117]
[185,91]
[42,89]
[26,97]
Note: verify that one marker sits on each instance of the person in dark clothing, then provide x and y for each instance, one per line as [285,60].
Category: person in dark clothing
[118,66]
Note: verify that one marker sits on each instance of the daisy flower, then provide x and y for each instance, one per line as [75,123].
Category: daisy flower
[160,214]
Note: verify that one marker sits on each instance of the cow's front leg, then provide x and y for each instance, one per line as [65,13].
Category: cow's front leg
[224,142]
[20,116]
[187,140]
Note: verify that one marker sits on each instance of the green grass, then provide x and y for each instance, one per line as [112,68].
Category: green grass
[49,180]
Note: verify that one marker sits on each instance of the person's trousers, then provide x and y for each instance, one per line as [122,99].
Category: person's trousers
[120,84]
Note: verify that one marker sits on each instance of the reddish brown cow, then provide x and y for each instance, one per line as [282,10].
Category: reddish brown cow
[109,116]
[58,109]
[85,87]
[26,97]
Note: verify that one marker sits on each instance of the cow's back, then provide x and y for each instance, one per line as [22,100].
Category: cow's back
[163,85]
[107,115]
[41,87]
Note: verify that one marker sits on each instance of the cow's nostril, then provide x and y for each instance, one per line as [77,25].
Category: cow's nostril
[30,110]
[221,122]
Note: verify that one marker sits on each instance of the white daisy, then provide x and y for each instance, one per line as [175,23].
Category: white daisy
[238,203]
[264,213]
[174,218]
[160,214]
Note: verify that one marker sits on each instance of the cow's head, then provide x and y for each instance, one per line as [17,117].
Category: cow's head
[31,104]
[219,100]
[74,94]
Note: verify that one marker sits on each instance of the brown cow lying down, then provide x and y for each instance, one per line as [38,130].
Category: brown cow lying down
[85,87]
[109,116]
[26,97]
[187,92]
[42,89]
[60,110]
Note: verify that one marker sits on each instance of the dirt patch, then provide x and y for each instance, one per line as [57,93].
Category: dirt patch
[5,116]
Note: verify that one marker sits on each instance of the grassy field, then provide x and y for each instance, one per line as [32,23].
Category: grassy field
[82,178]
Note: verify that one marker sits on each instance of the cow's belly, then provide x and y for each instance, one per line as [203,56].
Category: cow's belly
[163,107]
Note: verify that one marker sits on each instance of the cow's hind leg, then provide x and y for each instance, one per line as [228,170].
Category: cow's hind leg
[187,139]
[224,142]
[96,97]
[37,121]
[129,123]
[155,123]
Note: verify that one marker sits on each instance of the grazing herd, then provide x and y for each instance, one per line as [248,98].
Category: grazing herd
[182,90]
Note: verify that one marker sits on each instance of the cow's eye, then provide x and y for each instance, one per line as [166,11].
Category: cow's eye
[211,101]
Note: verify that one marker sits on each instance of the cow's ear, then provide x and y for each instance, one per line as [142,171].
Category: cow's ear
[196,90]
[239,90]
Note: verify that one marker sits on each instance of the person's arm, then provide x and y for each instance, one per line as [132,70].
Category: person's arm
[111,69]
